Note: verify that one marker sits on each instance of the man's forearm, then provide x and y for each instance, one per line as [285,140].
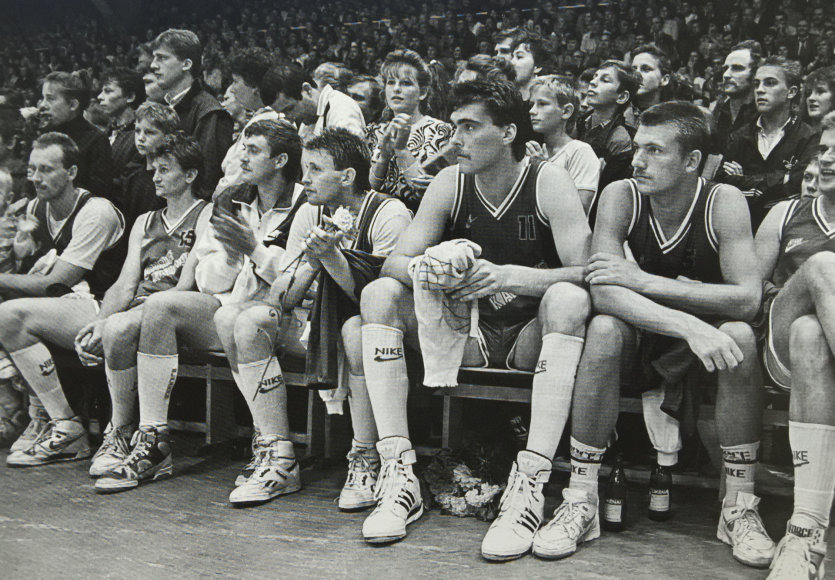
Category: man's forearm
[734,301]
[526,281]
[641,312]
[397,267]
[116,299]
[25,285]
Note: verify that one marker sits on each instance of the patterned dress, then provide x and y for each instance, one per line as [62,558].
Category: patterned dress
[427,137]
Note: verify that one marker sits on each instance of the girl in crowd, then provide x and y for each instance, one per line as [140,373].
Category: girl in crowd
[554,108]
[820,89]
[411,137]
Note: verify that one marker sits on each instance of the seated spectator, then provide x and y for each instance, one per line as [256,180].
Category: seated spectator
[485,68]
[86,228]
[819,88]
[403,144]
[736,110]
[314,252]
[795,251]
[121,93]
[292,92]
[654,68]
[334,74]
[176,67]
[528,55]
[606,129]
[368,94]
[11,131]
[247,68]
[520,302]
[157,260]
[64,97]
[237,258]
[554,107]
[809,187]
[766,159]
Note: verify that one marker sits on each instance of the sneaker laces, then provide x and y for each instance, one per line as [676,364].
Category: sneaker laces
[748,524]
[113,444]
[569,517]
[392,475]
[359,468]
[795,554]
[518,497]
[44,433]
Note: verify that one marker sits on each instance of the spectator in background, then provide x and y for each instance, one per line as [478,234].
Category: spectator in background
[334,74]
[766,159]
[610,94]
[291,91]
[11,129]
[486,68]
[411,137]
[176,67]
[819,88]
[802,47]
[528,55]
[64,98]
[823,56]
[809,186]
[247,68]
[737,109]
[368,94]
[121,93]
[654,68]
[554,109]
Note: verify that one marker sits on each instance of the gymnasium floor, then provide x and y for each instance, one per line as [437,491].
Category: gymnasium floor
[52,525]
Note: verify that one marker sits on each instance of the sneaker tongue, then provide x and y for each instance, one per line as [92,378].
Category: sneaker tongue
[575,495]
[747,501]
[393,447]
[531,463]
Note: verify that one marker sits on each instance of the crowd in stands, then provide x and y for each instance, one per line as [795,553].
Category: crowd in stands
[229,177]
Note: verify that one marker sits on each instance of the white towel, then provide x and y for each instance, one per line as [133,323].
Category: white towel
[443,324]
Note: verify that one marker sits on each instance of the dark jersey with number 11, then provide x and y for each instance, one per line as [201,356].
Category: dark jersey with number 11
[516,232]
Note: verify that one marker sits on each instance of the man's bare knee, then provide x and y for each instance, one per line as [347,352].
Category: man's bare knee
[255,324]
[564,308]
[352,342]
[820,266]
[12,318]
[743,335]
[118,331]
[381,300]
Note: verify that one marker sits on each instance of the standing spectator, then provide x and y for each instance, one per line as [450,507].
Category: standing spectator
[819,87]
[411,137]
[121,92]
[64,98]
[368,94]
[528,55]
[610,93]
[766,159]
[802,47]
[654,68]
[737,109]
[177,68]
[292,92]
[247,69]
[554,108]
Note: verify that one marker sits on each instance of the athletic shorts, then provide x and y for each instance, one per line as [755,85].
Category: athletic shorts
[497,342]
[779,372]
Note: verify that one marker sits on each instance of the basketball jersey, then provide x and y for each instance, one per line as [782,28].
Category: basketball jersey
[165,249]
[693,251]
[372,203]
[804,232]
[516,232]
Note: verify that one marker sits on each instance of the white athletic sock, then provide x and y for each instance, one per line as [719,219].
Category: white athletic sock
[156,377]
[663,430]
[740,463]
[585,467]
[553,384]
[384,363]
[262,385]
[362,415]
[814,472]
[38,369]
[123,395]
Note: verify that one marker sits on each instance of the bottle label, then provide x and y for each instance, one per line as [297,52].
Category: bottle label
[659,500]
[613,510]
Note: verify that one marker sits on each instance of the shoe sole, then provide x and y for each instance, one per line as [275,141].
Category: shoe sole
[163,473]
[77,457]
[260,501]
[359,507]
[395,538]
[722,536]
[504,557]
[547,555]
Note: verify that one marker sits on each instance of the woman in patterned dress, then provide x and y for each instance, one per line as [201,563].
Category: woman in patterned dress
[411,138]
